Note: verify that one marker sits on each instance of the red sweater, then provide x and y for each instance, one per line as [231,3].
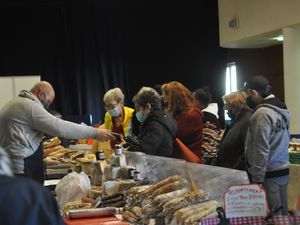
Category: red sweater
[189,129]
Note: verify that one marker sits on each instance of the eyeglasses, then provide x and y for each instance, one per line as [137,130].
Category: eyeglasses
[110,106]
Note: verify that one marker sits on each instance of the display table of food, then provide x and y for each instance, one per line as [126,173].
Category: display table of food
[148,188]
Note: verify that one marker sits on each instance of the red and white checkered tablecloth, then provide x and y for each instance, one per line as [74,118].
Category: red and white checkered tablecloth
[278,220]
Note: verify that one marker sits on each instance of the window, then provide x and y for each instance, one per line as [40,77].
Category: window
[230,78]
[231,82]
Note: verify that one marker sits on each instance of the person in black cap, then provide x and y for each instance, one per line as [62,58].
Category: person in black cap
[267,142]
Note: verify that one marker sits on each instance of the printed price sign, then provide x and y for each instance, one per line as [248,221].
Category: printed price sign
[245,201]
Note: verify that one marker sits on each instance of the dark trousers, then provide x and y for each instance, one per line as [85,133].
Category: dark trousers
[34,166]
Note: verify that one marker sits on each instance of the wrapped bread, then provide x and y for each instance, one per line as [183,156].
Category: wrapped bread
[111,187]
[60,151]
[51,142]
[94,192]
[130,217]
[84,160]
[195,213]
[156,186]
[76,154]
[51,161]
[76,205]
[51,150]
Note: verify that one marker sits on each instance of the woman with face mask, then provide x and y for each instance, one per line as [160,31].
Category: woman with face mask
[118,118]
[158,130]
[232,145]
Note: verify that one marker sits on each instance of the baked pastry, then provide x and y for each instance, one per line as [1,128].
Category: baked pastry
[48,151]
[51,142]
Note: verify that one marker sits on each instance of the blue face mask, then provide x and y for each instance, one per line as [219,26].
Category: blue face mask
[114,112]
[140,117]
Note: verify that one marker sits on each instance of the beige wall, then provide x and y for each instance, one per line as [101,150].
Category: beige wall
[258,20]
[291,50]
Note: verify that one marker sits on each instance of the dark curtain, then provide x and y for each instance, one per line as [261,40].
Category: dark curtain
[85,47]
[95,59]
[77,45]
[176,40]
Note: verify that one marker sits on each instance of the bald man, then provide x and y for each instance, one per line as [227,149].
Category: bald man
[23,123]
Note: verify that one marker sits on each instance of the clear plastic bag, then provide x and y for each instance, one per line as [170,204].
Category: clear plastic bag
[215,180]
[72,187]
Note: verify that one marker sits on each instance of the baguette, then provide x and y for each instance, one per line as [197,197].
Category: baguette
[59,151]
[47,151]
[51,142]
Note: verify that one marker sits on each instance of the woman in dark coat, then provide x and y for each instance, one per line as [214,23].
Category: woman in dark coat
[232,146]
[158,129]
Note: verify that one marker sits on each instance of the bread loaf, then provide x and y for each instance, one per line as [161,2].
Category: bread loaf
[51,142]
[48,151]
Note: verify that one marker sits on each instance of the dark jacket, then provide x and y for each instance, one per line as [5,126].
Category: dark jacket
[232,145]
[25,202]
[157,134]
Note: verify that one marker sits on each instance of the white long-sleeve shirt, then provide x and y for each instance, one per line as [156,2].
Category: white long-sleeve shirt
[23,123]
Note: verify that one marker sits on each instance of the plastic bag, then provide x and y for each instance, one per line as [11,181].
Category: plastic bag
[72,187]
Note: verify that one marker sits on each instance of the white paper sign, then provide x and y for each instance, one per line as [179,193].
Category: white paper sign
[245,201]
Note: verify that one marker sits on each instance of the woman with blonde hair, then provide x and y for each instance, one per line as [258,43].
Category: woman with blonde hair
[232,146]
[180,104]
[118,118]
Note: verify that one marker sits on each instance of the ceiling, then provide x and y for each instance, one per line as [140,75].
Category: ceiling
[259,41]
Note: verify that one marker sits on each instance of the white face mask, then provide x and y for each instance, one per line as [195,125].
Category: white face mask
[114,112]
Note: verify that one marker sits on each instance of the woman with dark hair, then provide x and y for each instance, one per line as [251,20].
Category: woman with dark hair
[211,124]
[158,129]
[232,145]
[135,123]
[179,103]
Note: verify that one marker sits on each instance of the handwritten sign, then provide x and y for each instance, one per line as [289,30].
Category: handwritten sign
[245,200]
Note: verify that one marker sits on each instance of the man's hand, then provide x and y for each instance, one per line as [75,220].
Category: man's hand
[104,135]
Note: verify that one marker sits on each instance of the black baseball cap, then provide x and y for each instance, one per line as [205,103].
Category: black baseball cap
[257,83]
